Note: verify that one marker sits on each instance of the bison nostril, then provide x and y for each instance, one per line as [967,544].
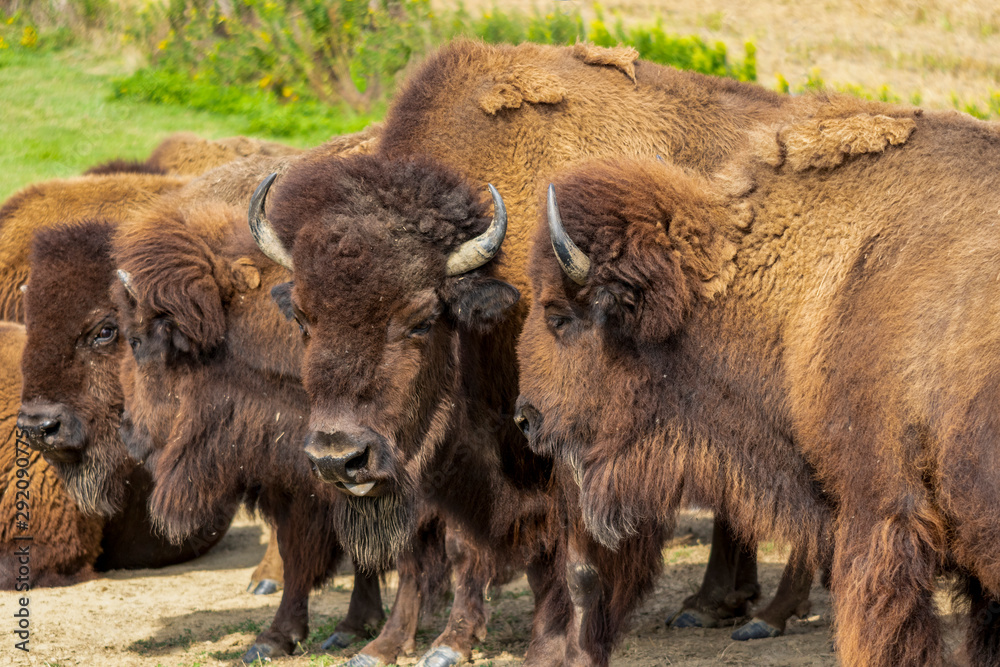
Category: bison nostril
[49,426]
[355,464]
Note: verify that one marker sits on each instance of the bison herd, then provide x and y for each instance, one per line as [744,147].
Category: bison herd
[557,295]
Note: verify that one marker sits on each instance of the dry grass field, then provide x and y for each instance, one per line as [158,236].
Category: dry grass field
[930,51]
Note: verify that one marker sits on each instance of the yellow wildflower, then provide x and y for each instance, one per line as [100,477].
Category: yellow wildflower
[265,82]
[30,37]
[286,92]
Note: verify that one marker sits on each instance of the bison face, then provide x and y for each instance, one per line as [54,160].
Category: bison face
[385,299]
[71,397]
[211,385]
[597,354]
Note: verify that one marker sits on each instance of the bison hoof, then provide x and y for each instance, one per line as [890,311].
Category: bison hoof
[690,618]
[755,629]
[339,640]
[258,653]
[363,660]
[442,656]
[264,587]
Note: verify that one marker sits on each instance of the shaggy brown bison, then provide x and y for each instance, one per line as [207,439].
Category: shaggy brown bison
[118,198]
[812,334]
[71,396]
[508,115]
[39,517]
[215,407]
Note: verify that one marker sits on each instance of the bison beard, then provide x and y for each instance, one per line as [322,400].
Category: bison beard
[375,530]
[96,482]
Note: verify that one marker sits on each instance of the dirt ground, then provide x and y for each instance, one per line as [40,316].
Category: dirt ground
[198,614]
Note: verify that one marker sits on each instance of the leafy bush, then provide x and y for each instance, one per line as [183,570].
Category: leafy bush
[306,63]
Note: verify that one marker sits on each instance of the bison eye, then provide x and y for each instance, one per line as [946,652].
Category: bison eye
[106,335]
[133,343]
[558,322]
[421,329]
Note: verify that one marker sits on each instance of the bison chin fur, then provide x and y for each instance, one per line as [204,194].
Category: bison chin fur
[375,530]
[96,483]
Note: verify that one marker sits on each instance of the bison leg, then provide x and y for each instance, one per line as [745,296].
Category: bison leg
[729,586]
[423,573]
[553,607]
[883,586]
[792,598]
[310,555]
[364,614]
[267,578]
[606,586]
[474,569]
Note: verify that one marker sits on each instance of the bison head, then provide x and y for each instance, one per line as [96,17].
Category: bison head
[211,386]
[618,267]
[392,279]
[71,397]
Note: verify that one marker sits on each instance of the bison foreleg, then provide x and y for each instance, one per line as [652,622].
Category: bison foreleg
[883,590]
[474,569]
[729,586]
[791,599]
[423,572]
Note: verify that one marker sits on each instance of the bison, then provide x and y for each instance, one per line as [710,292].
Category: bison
[808,336]
[389,417]
[117,197]
[215,409]
[63,543]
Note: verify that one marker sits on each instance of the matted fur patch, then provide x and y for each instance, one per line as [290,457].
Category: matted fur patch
[622,57]
[826,142]
[523,83]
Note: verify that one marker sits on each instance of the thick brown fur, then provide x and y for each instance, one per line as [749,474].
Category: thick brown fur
[216,409]
[512,116]
[57,202]
[64,364]
[65,543]
[846,373]
[375,231]
[187,154]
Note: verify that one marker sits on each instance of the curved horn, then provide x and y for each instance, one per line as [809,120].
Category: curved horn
[126,279]
[474,253]
[573,261]
[261,229]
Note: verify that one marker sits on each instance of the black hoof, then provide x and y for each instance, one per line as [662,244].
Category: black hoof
[689,618]
[264,587]
[258,653]
[442,656]
[363,660]
[339,640]
[755,629]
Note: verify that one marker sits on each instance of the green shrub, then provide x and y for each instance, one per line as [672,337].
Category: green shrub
[300,65]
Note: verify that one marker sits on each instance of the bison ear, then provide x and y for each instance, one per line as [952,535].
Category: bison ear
[478,302]
[281,294]
[246,276]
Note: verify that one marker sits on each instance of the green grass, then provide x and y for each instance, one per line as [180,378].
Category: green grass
[57,117]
